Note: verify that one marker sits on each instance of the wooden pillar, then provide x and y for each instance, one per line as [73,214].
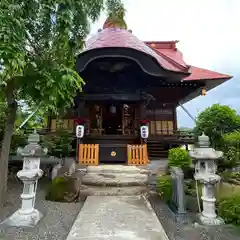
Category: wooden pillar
[143,111]
[137,116]
[81,110]
[155,120]
[174,117]
[122,116]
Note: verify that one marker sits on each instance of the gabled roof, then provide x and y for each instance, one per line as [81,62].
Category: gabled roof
[169,50]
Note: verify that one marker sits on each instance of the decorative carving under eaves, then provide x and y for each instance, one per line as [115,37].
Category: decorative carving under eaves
[147,98]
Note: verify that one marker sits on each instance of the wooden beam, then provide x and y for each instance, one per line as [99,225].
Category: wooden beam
[175,118]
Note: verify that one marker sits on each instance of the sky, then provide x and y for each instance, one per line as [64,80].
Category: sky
[209,35]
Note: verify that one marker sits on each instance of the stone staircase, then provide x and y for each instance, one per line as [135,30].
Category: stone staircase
[157,150]
[114,180]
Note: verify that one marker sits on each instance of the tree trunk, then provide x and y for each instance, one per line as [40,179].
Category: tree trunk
[6,144]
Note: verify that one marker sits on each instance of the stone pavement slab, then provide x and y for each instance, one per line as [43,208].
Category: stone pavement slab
[117,218]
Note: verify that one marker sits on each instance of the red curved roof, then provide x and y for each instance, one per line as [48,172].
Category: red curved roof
[165,52]
[204,74]
[116,37]
[169,50]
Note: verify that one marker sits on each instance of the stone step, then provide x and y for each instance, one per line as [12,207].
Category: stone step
[115,179]
[112,191]
[111,169]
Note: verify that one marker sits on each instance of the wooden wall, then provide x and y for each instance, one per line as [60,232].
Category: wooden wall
[162,118]
[63,124]
[67,121]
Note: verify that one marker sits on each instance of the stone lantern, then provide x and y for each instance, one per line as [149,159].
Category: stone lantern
[27,215]
[205,159]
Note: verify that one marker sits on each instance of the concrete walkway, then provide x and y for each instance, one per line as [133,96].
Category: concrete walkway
[117,218]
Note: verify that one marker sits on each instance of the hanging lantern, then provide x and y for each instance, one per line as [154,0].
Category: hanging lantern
[113,109]
[204,91]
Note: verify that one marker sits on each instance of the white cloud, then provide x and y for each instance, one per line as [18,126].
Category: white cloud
[209,31]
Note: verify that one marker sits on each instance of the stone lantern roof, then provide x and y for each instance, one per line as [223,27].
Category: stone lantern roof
[32,148]
[204,151]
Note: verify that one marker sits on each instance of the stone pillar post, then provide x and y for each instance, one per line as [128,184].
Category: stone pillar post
[178,194]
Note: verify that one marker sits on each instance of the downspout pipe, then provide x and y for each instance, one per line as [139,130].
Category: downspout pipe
[27,119]
[187,112]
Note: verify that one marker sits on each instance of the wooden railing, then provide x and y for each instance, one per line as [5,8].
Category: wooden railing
[137,154]
[89,154]
[174,133]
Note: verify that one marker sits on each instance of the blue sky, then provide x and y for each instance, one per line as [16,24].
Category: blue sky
[209,34]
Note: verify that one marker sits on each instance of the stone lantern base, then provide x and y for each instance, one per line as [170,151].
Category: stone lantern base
[201,219]
[19,219]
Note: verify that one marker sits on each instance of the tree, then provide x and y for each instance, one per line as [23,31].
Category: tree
[39,41]
[231,151]
[2,117]
[185,129]
[216,120]
[36,117]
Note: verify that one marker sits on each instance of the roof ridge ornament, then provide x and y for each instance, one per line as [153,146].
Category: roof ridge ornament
[115,22]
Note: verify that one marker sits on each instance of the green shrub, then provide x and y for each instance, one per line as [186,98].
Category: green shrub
[57,189]
[225,175]
[164,187]
[231,177]
[190,188]
[58,144]
[19,139]
[178,157]
[230,159]
[63,189]
[229,209]
[235,175]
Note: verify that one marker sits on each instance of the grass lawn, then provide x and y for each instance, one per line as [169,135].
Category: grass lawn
[223,189]
[227,190]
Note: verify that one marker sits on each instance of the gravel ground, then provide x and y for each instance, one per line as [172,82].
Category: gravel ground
[56,223]
[59,217]
[188,231]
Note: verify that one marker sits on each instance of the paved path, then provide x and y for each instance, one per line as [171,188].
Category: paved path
[117,218]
